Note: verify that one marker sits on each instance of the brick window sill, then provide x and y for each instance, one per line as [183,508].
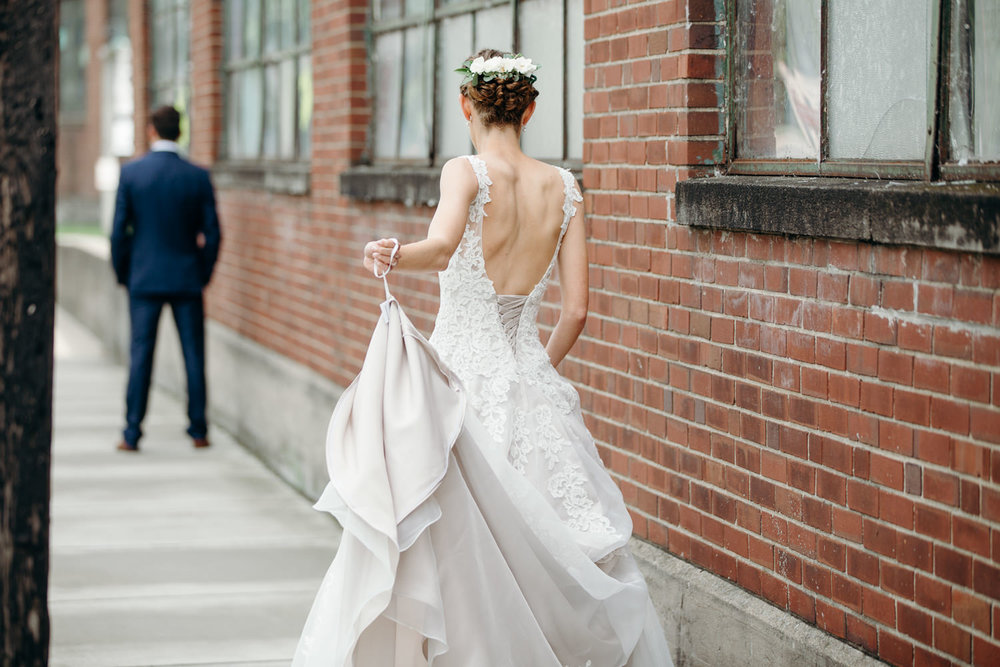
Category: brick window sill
[948,216]
[411,185]
[290,178]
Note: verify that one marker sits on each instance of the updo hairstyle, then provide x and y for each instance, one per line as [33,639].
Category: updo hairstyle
[500,101]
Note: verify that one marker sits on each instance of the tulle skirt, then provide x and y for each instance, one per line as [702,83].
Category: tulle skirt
[487,572]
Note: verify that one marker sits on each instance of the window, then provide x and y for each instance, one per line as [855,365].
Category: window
[118,111]
[170,66]
[416,46]
[856,88]
[73,59]
[268,79]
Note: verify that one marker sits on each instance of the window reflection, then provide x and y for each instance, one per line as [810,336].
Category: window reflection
[975,81]
[778,79]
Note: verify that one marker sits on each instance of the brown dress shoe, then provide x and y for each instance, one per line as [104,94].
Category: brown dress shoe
[125,447]
[200,443]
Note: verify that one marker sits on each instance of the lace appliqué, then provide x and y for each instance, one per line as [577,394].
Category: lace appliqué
[520,445]
[468,332]
[568,485]
[545,435]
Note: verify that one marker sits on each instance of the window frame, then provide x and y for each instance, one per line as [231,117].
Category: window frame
[249,168]
[437,11]
[937,163]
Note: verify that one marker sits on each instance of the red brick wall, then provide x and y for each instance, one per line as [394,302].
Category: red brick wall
[138,28]
[289,275]
[817,422]
[206,79]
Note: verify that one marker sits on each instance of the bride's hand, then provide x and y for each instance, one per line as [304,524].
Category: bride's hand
[379,255]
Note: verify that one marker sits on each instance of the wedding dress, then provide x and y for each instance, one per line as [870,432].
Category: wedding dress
[480,527]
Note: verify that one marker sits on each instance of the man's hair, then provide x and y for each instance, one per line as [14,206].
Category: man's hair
[167,122]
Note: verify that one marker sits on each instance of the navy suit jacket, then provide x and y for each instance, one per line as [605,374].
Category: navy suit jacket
[164,202]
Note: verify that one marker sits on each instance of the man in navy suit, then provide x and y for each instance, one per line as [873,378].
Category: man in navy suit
[164,245]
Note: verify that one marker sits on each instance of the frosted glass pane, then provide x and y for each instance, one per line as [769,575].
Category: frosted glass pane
[777,79]
[455,38]
[272,100]
[183,54]
[388,9]
[233,105]
[286,110]
[877,85]
[251,105]
[235,21]
[288,29]
[975,81]
[305,37]
[73,57]
[540,23]
[272,25]
[251,29]
[418,76]
[494,29]
[417,7]
[305,105]
[574,79]
[164,57]
[388,89]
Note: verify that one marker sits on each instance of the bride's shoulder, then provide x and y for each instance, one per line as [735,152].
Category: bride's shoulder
[459,174]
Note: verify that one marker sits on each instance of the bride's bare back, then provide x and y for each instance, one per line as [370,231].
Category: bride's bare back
[523,220]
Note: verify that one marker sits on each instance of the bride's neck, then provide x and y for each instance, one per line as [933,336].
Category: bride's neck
[502,140]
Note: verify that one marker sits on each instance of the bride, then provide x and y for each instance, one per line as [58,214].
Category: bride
[480,527]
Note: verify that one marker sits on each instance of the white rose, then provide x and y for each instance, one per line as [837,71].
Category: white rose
[524,65]
[492,65]
[477,65]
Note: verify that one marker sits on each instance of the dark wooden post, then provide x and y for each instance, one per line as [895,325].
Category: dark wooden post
[28,57]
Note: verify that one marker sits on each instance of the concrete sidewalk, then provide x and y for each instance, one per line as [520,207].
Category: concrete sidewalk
[172,556]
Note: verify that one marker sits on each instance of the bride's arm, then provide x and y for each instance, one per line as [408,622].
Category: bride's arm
[458,188]
[573,284]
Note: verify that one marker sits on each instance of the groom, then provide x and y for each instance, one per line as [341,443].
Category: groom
[164,245]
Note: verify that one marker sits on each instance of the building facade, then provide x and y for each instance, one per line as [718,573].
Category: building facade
[792,361]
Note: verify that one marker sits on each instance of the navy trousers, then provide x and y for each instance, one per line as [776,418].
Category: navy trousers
[189,315]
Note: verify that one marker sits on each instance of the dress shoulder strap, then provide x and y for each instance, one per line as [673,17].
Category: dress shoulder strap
[476,212]
[571,196]
[479,166]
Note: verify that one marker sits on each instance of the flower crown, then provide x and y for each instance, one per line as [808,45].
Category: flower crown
[511,66]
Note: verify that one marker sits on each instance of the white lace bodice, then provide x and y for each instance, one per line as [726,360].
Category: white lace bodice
[491,341]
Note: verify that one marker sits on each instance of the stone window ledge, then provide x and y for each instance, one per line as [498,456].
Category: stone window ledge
[411,185]
[948,216]
[290,178]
